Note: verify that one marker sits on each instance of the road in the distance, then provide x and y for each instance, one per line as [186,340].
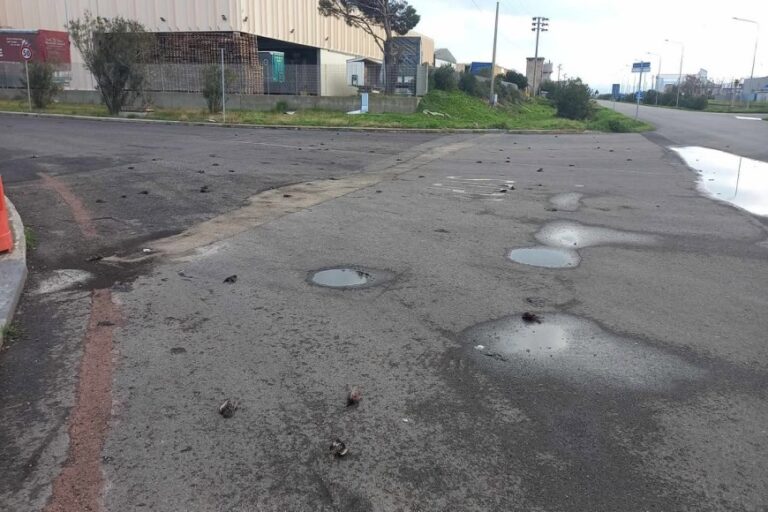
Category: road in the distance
[725,132]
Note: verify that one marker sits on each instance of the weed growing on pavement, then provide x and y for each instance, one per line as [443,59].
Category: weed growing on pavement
[11,332]
[30,238]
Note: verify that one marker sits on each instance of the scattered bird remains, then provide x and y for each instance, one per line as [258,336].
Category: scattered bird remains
[338,448]
[531,318]
[354,397]
[228,408]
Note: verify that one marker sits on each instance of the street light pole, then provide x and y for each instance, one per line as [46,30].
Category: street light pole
[658,73]
[680,73]
[539,25]
[754,55]
[493,62]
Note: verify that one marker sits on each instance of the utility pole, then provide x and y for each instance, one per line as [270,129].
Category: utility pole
[492,99]
[680,73]
[539,25]
[754,55]
[559,67]
[638,93]
[658,73]
[223,91]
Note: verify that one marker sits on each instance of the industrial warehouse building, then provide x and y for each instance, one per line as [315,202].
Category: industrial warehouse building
[270,46]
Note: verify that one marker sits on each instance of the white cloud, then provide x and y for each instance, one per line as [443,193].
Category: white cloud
[598,39]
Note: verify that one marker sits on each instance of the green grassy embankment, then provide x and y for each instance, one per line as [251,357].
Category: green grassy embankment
[438,110]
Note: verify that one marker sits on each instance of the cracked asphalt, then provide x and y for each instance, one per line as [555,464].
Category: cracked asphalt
[648,393]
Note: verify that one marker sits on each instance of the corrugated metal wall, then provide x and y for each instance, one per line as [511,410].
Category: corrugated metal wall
[296,21]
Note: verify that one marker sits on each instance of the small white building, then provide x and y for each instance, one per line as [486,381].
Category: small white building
[444,57]
[755,89]
[364,73]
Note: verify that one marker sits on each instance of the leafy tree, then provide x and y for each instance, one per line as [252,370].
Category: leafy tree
[42,86]
[115,51]
[651,97]
[382,20]
[444,78]
[516,78]
[212,86]
[469,84]
[572,98]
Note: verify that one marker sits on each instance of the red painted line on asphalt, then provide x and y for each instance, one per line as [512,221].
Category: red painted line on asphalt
[80,485]
[79,211]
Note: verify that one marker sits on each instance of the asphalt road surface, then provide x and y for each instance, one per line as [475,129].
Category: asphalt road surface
[742,134]
[643,387]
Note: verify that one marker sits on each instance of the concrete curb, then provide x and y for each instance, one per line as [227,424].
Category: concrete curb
[13,270]
[298,127]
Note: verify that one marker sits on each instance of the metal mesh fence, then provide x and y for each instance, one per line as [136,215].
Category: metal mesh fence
[258,79]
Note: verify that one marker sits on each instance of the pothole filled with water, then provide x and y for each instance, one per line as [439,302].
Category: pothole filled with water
[572,235]
[576,350]
[561,239]
[341,278]
[568,202]
[740,181]
[548,257]
[345,277]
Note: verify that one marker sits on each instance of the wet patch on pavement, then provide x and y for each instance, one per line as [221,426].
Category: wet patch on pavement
[60,280]
[567,202]
[740,181]
[561,239]
[572,235]
[578,351]
[490,189]
[548,257]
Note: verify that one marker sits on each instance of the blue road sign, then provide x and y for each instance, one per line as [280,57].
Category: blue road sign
[615,90]
[641,67]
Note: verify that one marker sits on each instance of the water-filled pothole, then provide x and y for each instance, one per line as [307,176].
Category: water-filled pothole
[576,350]
[548,257]
[342,278]
[743,182]
[572,235]
[568,202]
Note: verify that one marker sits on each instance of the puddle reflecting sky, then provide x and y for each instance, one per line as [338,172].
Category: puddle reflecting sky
[740,181]
[548,257]
[341,278]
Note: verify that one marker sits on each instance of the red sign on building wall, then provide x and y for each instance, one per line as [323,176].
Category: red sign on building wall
[46,45]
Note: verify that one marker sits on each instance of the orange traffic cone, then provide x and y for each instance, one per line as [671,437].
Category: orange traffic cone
[6,237]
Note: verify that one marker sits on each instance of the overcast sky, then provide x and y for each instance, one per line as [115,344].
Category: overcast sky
[598,39]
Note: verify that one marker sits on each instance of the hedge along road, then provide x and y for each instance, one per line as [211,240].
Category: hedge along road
[654,388]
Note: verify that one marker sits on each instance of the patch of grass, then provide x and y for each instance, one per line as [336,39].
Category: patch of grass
[71,109]
[30,238]
[440,110]
[607,120]
[11,332]
[760,107]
